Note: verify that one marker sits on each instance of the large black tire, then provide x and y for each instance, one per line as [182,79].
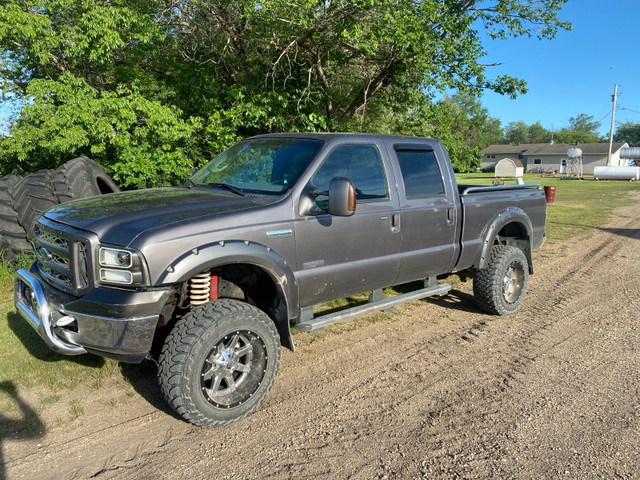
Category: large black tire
[81,177]
[500,287]
[219,362]
[32,196]
[8,216]
[13,237]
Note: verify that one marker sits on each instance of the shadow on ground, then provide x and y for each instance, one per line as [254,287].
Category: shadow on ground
[37,348]
[623,232]
[26,425]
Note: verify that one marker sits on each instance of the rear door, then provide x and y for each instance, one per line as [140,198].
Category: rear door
[341,256]
[428,212]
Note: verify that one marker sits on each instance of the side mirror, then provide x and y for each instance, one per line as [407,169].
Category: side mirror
[342,197]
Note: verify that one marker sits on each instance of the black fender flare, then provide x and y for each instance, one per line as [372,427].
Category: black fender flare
[229,252]
[503,218]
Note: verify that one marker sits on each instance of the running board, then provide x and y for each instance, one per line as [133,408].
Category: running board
[314,325]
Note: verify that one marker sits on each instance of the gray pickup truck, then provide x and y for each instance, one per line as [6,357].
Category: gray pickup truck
[216,274]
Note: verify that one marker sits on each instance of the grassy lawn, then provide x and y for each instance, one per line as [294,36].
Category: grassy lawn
[580,206]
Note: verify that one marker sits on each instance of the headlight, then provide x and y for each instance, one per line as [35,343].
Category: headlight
[121,266]
[112,257]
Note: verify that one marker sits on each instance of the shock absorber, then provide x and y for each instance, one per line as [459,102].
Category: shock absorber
[200,288]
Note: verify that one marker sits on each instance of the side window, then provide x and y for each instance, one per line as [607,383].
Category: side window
[420,173]
[359,163]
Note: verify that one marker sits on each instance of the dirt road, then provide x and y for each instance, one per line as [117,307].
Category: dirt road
[436,389]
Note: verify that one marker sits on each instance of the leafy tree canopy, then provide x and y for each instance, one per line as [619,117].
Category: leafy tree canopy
[520,132]
[581,129]
[152,88]
[628,132]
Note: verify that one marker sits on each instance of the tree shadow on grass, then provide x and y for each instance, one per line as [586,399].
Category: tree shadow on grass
[143,377]
[38,349]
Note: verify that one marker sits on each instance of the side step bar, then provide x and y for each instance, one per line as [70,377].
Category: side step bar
[310,324]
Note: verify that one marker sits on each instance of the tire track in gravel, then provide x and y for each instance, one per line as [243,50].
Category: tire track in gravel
[540,326]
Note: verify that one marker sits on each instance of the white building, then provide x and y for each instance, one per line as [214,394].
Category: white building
[552,157]
[509,167]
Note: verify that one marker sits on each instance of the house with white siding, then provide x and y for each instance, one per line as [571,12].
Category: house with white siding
[552,157]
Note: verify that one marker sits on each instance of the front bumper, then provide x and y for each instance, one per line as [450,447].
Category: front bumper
[107,322]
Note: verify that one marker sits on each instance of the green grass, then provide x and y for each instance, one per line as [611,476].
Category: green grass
[25,361]
[580,205]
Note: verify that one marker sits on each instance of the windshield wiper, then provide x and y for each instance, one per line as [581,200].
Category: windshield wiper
[226,186]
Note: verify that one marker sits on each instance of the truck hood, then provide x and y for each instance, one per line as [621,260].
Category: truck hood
[118,218]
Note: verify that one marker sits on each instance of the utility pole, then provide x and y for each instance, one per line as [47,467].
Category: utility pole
[614,97]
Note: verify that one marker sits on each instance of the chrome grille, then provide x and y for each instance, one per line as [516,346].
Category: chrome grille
[62,258]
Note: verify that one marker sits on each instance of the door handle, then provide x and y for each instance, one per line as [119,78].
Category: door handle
[395,222]
[450,219]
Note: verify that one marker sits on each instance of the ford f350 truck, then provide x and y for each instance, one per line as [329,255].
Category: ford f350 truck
[219,272]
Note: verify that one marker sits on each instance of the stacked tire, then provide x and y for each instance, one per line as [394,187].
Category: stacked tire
[24,199]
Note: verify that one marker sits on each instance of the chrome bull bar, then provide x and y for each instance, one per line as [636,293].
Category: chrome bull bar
[32,304]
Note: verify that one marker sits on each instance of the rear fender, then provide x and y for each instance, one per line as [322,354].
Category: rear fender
[511,215]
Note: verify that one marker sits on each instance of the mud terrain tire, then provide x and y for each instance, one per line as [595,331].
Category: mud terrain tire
[219,362]
[81,177]
[500,287]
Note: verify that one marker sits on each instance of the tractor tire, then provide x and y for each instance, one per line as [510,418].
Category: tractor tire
[81,177]
[13,237]
[32,196]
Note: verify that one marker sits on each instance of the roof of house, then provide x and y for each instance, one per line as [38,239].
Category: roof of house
[552,148]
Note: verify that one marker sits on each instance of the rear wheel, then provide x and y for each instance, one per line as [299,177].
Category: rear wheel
[219,362]
[500,287]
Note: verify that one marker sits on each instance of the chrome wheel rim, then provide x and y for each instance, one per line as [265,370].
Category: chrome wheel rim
[234,369]
[512,282]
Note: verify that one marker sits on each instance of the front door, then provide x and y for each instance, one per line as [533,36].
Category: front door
[342,256]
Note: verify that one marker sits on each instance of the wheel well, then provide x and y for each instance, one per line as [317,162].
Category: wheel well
[247,283]
[515,234]
[244,282]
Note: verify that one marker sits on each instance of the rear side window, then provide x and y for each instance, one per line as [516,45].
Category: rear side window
[420,173]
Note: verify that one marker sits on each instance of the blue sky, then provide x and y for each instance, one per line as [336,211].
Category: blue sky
[576,72]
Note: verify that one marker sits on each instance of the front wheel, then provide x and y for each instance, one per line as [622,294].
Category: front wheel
[219,362]
[500,287]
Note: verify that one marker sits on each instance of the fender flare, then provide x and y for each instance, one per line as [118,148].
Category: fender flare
[505,217]
[229,252]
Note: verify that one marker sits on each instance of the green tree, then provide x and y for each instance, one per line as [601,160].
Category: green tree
[628,132]
[538,134]
[174,82]
[516,132]
[582,129]
[520,132]
[459,121]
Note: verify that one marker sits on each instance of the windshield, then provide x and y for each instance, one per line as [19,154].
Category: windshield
[261,165]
